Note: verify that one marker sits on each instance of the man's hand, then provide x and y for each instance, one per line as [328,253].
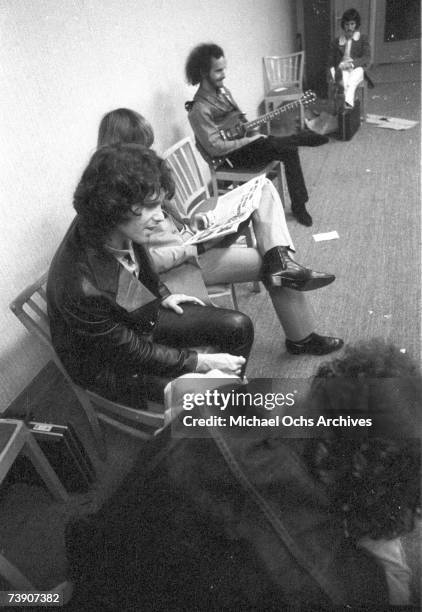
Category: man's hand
[347,65]
[172,301]
[202,221]
[232,364]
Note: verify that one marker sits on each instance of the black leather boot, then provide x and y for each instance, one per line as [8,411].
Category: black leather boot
[279,270]
[301,214]
[314,344]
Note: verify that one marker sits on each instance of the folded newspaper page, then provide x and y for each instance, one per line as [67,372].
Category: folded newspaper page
[231,209]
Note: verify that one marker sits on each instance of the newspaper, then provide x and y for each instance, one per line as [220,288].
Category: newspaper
[231,209]
[390,123]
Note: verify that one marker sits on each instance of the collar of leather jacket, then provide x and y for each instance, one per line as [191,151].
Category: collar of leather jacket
[96,270]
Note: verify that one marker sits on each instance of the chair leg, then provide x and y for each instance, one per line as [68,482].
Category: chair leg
[14,576]
[250,242]
[363,112]
[234,297]
[267,110]
[93,421]
[125,428]
[214,183]
[44,469]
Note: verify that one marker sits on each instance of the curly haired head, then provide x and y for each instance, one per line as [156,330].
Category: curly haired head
[373,472]
[125,126]
[350,15]
[199,61]
[118,178]
[372,359]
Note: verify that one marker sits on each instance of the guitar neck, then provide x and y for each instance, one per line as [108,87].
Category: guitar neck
[250,125]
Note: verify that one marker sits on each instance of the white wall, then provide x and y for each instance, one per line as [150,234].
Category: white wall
[67,62]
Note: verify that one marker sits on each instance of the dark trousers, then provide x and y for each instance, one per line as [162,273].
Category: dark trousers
[265,150]
[229,331]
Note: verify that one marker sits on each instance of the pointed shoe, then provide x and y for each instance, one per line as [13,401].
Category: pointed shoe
[314,344]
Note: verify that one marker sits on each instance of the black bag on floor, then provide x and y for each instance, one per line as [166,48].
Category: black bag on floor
[349,121]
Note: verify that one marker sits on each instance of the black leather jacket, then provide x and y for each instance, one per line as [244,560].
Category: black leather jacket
[102,318]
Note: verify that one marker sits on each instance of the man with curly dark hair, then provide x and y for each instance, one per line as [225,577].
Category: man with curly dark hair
[215,263]
[115,327]
[213,105]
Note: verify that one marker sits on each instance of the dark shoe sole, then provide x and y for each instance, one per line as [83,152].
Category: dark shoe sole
[311,349]
[307,285]
[307,138]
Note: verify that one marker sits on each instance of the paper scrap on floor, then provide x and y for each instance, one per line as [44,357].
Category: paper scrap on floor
[390,123]
[326,236]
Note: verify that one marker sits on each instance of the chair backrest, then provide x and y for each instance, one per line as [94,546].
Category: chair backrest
[191,188]
[30,307]
[284,71]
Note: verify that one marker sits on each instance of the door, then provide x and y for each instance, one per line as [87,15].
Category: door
[315,17]
[397,31]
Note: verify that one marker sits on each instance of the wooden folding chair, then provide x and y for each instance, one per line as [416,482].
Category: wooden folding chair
[283,80]
[191,192]
[30,307]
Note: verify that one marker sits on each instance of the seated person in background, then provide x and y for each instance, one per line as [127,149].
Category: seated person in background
[349,55]
[115,327]
[218,263]
[247,519]
[213,105]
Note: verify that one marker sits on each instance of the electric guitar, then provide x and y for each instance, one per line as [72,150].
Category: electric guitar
[236,126]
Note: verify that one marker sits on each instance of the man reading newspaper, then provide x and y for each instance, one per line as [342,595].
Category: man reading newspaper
[231,209]
[204,247]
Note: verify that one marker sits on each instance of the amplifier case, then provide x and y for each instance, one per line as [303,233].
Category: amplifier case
[349,121]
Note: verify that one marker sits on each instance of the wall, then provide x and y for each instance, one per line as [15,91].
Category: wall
[67,62]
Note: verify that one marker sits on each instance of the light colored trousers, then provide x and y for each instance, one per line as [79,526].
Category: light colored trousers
[351,80]
[235,264]
[241,265]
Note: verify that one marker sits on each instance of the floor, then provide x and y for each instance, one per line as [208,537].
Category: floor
[368,191]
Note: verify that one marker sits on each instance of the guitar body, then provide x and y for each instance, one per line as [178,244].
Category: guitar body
[236,126]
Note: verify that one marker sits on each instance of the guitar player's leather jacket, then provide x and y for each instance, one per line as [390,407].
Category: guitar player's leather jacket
[102,318]
[207,114]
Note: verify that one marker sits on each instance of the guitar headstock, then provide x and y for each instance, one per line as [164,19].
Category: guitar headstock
[309,97]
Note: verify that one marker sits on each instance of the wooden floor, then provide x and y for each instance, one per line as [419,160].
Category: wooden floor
[368,191]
